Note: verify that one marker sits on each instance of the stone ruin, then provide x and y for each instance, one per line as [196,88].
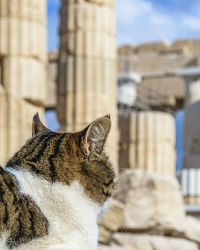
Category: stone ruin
[147,210]
[147,213]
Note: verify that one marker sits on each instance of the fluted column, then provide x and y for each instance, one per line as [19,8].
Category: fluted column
[147,141]
[22,70]
[87,66]
[190,174]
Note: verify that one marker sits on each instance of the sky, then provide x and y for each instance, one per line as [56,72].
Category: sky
[140,21]
[53,23]
[179,123]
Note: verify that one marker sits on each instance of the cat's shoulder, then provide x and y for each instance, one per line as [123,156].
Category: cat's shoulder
[8,188]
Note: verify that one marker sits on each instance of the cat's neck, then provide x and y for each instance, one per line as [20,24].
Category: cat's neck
[69,211]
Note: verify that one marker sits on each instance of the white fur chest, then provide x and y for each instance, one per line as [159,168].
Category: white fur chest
[72,216]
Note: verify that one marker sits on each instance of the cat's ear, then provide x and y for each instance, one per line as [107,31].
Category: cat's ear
[37,125]
[95,135]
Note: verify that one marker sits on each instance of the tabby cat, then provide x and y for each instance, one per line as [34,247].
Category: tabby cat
[54,188]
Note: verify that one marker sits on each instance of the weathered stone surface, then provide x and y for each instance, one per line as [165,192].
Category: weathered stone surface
[190,180]
[25,77]
[153,47]
[22,70]
[151,200]
[25,23]
[170,86]
[125,241]
[190,171]
[192,229]
[113,217]
[192,44]
[104,235]
[15,125]
[111,247]
[152,211]
[153,203]
[160,57]
[147,141]
[52,71]
[111,220]
[87,67]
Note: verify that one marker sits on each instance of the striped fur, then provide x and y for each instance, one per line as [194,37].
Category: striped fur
[19,215]
[56,158]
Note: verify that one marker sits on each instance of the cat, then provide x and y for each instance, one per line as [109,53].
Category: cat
[54,188]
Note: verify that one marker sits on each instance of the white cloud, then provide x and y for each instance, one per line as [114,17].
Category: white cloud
[128,9]
[192,23]
[140,21]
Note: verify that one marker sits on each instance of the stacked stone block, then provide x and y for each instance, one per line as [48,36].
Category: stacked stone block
[87,66]
[23,72]
[52,73]
[192,45]
[147,141]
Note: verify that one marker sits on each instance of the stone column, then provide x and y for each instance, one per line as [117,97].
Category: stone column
[191,164]
[22,70]
[147,142]
[87,82]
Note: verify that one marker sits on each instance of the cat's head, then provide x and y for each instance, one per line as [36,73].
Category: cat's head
[69,157]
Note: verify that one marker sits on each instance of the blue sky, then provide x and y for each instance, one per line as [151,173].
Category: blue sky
[179,121]
[53,23]
[151,20]
[141,21]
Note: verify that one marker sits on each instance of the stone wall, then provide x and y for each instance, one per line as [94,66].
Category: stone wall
[192,45]
[187,46]
[160,57]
